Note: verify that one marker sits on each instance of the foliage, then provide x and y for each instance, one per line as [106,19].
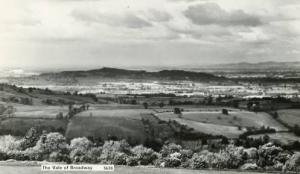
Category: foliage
[144,155]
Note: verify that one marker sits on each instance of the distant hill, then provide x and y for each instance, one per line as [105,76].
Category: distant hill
[245,66]
[134,74]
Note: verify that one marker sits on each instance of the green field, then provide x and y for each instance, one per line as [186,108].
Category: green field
[284,138]
[290,116]
[216,123]
[39,111]
[122,123]
[19,126]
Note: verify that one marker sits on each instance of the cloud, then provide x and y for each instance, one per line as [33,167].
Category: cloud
[159,16]
[211,13]
[128,20]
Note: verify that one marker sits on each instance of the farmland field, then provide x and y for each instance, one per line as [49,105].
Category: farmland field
[216,123]
[234,118]
[39,111]
[123,123]
[281,137]
[19,126]
[290,116]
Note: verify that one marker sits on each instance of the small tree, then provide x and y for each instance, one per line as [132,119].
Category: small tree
[177,111]
[145,105]
[161,104]
[225,111]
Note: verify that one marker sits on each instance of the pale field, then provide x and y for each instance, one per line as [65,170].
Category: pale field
[235,118]
[121,113]
[39,111]
[290,116]
[282,137]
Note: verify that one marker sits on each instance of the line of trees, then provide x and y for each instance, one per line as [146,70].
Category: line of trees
[54,147]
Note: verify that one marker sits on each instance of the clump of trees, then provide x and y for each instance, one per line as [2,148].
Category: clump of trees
[54,147]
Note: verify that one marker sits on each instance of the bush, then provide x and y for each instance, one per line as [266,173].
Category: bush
[120,158]
[198,162]
[172,162]
[111,148]
[132,161]
[293,164]
[9,143]
[169,149]
[34,154]
[52,142]
[30,139]
[267,154]
[144,155]
[79,148]
[94,154]
[249,166]
[58,157]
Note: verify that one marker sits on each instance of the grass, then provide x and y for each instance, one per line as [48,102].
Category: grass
[284,138]
[214,122]
[122,123]
[290,116]
[19,126]
[39,111]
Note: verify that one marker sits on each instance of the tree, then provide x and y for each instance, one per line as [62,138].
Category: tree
[145,105]
[177,111]
[225,111]
[161,104]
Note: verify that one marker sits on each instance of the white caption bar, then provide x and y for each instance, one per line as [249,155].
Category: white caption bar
[82,168]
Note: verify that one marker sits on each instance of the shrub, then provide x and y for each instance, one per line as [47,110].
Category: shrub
[249,166]
[198,162]
[94,154]
[79,148]
[9,143]
[120,158]
[111,148]
[132,161]
[30,139]
[172,161]
[267,154]
[52,142]
[169,149]
[34,154]
[293,164]
[144,155]
[58,157]
[233,156]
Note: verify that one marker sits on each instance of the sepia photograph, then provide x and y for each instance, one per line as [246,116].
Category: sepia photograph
[149,86]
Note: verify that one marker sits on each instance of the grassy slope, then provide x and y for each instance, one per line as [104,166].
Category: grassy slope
[123,123]
[214,122]
[290,116]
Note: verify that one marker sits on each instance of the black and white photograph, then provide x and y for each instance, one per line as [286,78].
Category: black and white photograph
[149,86]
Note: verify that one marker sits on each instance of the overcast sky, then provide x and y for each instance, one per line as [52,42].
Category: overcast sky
[91,33]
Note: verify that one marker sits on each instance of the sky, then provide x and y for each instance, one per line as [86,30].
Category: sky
[124,33]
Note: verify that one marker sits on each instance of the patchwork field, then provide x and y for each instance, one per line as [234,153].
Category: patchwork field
[290,116]
[216,123]
[234,118]
[39,111]
[284,138]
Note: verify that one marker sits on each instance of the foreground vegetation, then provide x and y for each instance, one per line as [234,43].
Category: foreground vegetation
[55,148]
